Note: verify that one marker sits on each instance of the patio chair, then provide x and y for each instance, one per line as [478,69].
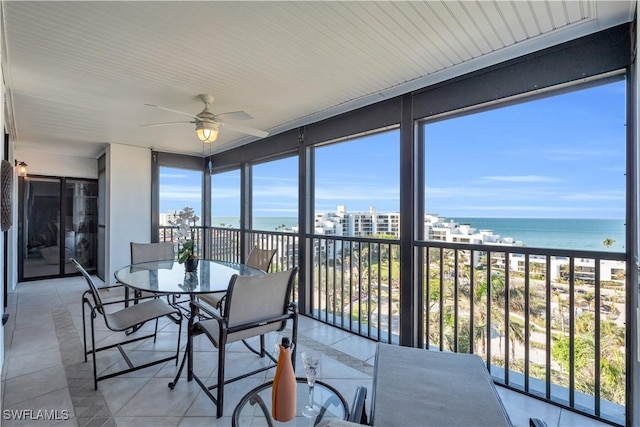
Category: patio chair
[121,321]
[145,252]
[255,306]
[258,258]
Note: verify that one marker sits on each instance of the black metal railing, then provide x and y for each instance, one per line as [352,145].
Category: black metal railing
[285,243]
[170,234]
[355,285]
[550,323]
[225,243]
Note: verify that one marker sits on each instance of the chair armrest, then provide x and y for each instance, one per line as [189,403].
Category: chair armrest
[358,412]
[127,300]
[117,285]
[257,323]
[293,306]
[202,307]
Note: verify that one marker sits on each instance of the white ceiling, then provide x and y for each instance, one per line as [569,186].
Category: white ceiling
[79,73]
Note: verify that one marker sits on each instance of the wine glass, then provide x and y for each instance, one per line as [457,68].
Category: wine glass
[311,361]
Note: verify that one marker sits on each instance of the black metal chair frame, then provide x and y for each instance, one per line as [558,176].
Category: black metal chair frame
[290,311]
[255,260]
[159,251]
[96,306]
[138,257]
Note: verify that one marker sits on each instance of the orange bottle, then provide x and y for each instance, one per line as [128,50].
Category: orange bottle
[283,393]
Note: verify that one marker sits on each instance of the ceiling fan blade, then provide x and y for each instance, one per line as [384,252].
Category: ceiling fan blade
[173,111]
[244,129]
[165,124]
[234,115]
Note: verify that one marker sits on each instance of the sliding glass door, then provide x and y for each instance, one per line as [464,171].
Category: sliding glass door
[57,222]
[40,227]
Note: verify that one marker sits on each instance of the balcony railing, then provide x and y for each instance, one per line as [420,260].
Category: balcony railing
[355,284]
[224,244]
[548,323]
[170,234]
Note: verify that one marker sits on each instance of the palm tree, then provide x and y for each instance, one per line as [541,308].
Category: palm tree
[608,242]
[560,301]
[516,335]
[589,297]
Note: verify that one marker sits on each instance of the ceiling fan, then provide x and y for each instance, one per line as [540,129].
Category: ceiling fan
[208,124]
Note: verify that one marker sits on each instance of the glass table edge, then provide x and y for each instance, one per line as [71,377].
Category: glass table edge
[245,399]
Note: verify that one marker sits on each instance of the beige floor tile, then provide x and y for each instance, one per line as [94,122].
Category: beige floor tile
[57,402]
[28,386]
[147,421]
[156,399]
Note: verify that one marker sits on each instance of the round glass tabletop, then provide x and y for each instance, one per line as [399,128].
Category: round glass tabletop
[170,277]
[255,407]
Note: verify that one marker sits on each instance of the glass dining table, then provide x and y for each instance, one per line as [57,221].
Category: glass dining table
[170,278]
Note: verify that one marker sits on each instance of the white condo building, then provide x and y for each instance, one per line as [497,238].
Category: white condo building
[438,228]
[361,224]
[356,224]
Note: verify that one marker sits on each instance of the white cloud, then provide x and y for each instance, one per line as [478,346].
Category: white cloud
[276,191]
[343,194]
[581,153]
[180,192]
[520,178]
[596,196]
[174,175]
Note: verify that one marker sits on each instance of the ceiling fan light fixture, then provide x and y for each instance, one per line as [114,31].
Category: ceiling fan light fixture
[207,132]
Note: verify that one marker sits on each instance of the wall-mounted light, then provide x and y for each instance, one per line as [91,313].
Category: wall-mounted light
[22,168]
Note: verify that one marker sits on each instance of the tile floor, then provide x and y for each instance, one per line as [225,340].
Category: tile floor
[44,370]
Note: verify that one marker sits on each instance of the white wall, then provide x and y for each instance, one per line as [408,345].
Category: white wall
[128,201]
[57,165]
[46,164]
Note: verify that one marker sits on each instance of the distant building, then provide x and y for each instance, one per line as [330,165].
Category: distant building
[360,224]
[438,228]
[357,224]
[166,219]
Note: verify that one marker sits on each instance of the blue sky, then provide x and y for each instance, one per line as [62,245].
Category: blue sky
[557,157]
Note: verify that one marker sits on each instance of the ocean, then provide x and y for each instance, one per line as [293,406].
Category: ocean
[259,223]
[576,234]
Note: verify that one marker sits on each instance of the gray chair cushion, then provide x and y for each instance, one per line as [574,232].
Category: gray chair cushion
[212,299]
[252,299]
[416,387]
[137,314]
[144,252]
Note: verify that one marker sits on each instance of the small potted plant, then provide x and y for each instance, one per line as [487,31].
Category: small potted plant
[187,256]
[187,251]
